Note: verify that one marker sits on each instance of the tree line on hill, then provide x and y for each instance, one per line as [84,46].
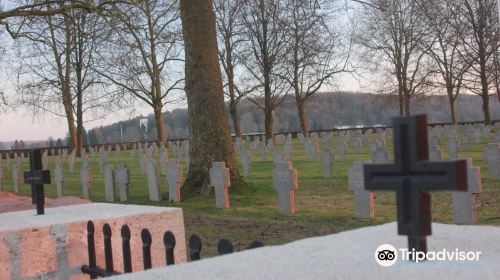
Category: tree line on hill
[325,111]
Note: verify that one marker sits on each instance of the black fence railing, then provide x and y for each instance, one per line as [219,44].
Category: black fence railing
[195,245]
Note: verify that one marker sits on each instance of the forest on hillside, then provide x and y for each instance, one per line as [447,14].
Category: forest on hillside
[324,111]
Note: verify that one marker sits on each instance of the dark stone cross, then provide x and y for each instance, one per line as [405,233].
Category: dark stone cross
[412,176]
[37,178]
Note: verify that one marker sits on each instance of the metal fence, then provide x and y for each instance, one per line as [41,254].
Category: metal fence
[195,246]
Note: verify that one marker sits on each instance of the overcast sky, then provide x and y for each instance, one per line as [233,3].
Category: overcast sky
[20,124]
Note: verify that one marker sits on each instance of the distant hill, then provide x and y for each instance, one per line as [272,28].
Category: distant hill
[324,111]
[20,144]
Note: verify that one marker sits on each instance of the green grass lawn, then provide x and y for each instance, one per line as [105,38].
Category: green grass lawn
[324,205]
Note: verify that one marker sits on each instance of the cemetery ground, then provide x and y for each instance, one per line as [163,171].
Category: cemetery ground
[324,205]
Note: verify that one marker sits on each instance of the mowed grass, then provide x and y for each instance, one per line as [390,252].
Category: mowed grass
[324,205]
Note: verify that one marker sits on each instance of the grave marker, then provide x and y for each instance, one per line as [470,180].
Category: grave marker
[363,199]
[285,181]
[59,178]
[357,144]
[270,145]
[327,160]
[71,160]
[103,160]
[220,179]
[262,151]
[278,156]
[86,180]
[109,183]
[465,143]
[153,181]
[9,164]
[175,180]
[15,178]
[412,176]
[45,160]
[118,154]
[464,203]
[1,177]
[122,178]
[143,159]
[380,155]
[492,157]
[246,160]
[163,162]
[37,178]
[452,146]
[312,148]
[288,149]
[435,153]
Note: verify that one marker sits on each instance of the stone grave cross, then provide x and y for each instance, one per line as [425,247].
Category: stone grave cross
[285,181]
[37,178]
[122,174]
[220,179]
[412,176]
[175,180]
[363,199]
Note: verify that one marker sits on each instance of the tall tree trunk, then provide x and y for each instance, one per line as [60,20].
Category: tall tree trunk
[156,81]
[453,110]
[302,116]
[484,91]
[210,138]
[486,108]
[160,127]
[233,101]
[268,115]
[66,87]
[233,110]
[407,103]
[79,91]
[401,103]
[70,118]
[79,125]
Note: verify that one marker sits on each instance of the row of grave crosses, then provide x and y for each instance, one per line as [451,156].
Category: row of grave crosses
[411,176]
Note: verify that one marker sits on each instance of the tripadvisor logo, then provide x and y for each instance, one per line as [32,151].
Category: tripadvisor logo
[386,255]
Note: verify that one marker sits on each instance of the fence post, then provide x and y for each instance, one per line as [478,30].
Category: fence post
[127,257]
[91,247]
[195,247]
[224,247]
[146,248]
[169,242]
[255,244]
[108,250]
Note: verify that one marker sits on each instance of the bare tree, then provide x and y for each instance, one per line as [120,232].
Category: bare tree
[145,53]
[392,37]
[445,48]
[210,138]
[231,32]
[264,22]
[495,70]
[481,47]
[33,8]
[315,51]
[56,54]
[3,99]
